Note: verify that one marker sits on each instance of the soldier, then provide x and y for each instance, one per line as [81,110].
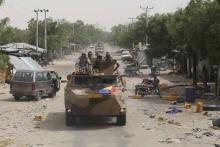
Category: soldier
[110,60]
[83,63]
[97,62]
[108,57]
[90,57]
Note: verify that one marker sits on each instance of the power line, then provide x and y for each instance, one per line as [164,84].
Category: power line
[33,5]
[8,11]
[36,3]
[22,5]
[146,9]
[18,11]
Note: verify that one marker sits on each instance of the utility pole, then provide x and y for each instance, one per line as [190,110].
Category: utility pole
[132,21]
[146,9]
[36,11]
[45,28]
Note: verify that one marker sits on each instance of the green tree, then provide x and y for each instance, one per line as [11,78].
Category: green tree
[192,30]
[1,2]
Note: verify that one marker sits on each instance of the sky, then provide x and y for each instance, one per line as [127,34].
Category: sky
[103,13]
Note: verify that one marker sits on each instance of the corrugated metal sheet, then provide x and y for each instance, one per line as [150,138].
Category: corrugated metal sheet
[9,50]
[22,46]
[24,63]
[142,58]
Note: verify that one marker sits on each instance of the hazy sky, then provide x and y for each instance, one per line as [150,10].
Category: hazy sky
[106,13]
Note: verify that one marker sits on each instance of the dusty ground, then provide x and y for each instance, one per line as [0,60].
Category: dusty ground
[147,121]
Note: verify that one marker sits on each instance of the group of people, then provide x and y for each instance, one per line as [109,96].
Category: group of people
[90,63]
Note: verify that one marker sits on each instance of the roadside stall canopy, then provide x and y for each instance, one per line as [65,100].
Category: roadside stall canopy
[24,63]
[141,57]
[22,47]
[9,50]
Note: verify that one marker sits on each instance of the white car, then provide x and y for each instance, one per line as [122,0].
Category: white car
[91,46]
[126,57]
[124,49]
[125,53]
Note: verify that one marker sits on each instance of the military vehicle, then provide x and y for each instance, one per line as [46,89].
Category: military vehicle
[99,48]
[91,93]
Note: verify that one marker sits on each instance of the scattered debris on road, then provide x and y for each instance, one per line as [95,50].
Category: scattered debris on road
[187,106]
[174,122]
[170,140]
[173,110]
[216,122]
[6,142]
[38,118]
[211,107]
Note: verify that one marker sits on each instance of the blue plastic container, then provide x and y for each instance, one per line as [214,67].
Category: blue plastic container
[190,94]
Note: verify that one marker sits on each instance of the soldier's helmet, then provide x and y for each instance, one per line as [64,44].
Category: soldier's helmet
[108,54]
[99,56]
[90,53]
[83,54]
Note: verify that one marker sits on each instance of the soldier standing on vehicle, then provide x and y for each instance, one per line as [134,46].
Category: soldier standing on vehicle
[90,57]
[98,62]
[108,58]
[83,63]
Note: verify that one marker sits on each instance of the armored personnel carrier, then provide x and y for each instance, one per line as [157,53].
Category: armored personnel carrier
[94,93]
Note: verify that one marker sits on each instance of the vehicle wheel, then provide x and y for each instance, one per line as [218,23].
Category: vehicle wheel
[52,94]
[70,119]
[17,98]
[121,120]
[136,91]
[38,96]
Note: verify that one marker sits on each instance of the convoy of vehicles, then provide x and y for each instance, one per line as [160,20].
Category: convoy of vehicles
[34,84]
[94,89]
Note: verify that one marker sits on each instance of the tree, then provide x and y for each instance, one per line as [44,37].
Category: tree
[61,33]
[9,34]
[1,2]
[194,30]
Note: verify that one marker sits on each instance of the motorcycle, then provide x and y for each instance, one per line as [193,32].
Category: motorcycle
[148,87]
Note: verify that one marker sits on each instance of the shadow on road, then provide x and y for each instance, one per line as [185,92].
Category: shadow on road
[11,99]
[23,99]
[56,122]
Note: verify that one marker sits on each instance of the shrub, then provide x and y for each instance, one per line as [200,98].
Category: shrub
[4,61]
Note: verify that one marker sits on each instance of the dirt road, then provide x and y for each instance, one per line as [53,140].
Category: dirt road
[148,125]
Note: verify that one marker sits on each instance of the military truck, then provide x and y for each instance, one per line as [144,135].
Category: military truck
[99,48]
[94,94]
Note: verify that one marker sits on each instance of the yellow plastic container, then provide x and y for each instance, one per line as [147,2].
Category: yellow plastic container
[137,97]
[199,107]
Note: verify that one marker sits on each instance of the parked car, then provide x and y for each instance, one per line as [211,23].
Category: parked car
[91,47]
[123,49]
[34,84]
[126,56]
[144,66]
[125,53]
